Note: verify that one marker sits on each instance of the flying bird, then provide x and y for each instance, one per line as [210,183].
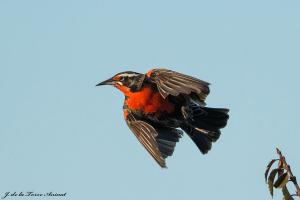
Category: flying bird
[160,103]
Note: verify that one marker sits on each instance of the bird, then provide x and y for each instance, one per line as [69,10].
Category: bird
[162,104]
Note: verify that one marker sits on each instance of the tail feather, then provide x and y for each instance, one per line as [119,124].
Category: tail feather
[215,117]
[202,141]
[206,118]
[203,125]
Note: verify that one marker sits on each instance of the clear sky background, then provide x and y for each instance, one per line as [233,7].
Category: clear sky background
[60,133]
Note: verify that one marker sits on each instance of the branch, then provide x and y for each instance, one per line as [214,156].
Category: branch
[282,163]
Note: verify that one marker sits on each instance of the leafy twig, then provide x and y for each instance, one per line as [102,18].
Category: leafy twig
[284,174]
[283,164]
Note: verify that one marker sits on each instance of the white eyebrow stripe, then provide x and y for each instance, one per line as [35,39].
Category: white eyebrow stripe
[128,75]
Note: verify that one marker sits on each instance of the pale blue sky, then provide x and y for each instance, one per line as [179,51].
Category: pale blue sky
[60,133]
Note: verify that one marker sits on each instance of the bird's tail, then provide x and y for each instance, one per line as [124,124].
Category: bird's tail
[203,124]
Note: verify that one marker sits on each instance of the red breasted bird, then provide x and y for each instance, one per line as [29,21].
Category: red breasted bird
[160,102]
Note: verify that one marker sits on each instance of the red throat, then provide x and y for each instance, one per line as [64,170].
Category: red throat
[147,100]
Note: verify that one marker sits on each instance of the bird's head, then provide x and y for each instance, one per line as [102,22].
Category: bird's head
[125,81]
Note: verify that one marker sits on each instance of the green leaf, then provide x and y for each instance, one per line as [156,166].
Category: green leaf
[268,168]
[286,194]
[271,180]
[282,180]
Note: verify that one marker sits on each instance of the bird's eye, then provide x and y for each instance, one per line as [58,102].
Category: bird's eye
[122,78]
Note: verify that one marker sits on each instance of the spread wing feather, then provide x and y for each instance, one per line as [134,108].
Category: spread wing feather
[159,142]
[173,83]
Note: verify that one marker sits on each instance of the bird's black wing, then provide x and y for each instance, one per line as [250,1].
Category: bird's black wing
[173,83]
[158,141]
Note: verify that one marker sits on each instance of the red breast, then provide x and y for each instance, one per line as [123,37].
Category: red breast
[147,100]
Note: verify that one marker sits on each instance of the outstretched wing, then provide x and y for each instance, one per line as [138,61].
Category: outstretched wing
[159,142]
[173,83]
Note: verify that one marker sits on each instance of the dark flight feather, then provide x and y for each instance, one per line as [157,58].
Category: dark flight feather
[159,141]
[173,83]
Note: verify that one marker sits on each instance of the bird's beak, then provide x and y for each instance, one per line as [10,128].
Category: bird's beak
[107,82]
